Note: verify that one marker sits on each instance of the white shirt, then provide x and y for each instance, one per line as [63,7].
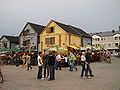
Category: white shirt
[39,59]
[66,59]
[83,58]
[58,57]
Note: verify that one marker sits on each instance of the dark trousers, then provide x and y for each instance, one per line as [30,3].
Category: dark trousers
[58,65]
[28,66]
[89,69]
[1,77]
[46,68]
[17,63]
[52,72]
[84,70]
[39,72]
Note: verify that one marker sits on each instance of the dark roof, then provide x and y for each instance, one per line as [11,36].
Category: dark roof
[12,39]
[37,28]
[73,30]
[105,34]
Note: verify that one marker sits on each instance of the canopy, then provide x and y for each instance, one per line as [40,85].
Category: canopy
[4,50]
[29,50]
[14,49]
[74,47]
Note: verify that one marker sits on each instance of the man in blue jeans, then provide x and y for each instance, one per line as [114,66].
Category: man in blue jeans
[88,58]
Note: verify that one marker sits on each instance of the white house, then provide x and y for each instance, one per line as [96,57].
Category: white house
[9,42]
[29,36]
[109,40]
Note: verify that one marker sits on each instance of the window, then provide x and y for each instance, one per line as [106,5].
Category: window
[109,44]
[0,45]
[26,32]
[51,30]
[101,38]
[116,44]
[50,40]
[5,45]
[116,38]
[98,39]
[25,43]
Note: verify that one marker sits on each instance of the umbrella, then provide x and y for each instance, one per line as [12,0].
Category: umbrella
[62,49]
[52,49]
[83,48]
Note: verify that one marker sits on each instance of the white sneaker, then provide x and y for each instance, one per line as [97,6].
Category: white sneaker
[48,76]
[42,78]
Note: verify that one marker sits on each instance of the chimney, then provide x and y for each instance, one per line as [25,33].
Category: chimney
[119,28]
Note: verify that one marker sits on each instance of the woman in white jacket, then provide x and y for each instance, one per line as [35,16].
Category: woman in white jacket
[83,63]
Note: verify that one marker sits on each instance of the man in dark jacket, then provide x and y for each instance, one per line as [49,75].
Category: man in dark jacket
[51,64]
[88,58]
[45,63]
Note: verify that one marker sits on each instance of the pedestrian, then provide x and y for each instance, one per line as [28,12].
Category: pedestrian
[51,64]
[88,60]
[24,59]
[28,59]
[1,75]
[40,64]
[72,59]
[83,64]
[58,61]
[45,63]
[17,62]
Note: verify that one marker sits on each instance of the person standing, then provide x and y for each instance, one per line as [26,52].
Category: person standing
[45,63]
[51,64]
[28,58]
[23,59]
[0,70]
[88,59]
[40,63]
[83,64]
[72,59]
[58,61]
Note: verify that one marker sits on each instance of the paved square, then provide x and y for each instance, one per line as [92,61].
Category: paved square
[107,77]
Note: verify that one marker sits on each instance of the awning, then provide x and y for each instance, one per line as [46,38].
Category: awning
[74,47]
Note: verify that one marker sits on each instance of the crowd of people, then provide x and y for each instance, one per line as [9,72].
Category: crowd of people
[49,61]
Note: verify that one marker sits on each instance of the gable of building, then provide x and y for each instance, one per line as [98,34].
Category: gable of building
[33,28]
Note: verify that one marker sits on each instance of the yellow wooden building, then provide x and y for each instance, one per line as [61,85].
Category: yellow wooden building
[62,35]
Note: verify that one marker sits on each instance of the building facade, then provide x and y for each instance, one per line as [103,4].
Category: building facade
[62,35]
[108,40]
[9,42]
[29,37]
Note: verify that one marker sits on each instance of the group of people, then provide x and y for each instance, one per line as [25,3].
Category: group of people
[50,61]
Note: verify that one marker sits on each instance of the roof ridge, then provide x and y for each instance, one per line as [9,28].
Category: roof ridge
[74,29]
[35,24]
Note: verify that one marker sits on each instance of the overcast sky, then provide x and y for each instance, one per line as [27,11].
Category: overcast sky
[89,15]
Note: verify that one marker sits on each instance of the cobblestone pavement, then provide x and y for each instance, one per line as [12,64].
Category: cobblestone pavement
[107,77]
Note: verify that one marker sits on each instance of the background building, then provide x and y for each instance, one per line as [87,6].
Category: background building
[62,35]
[109,40]
[29,36]
[9,42]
